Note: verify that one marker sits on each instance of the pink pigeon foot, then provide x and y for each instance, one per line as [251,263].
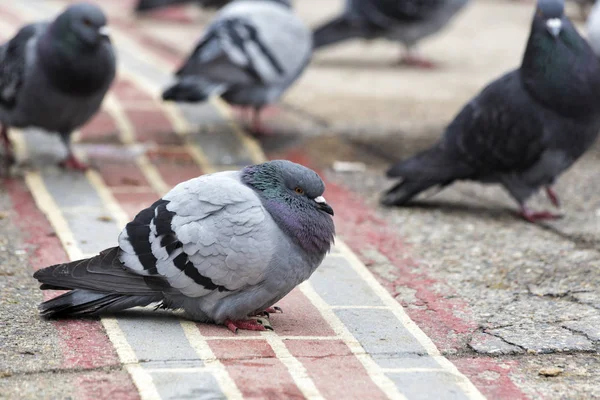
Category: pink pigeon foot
[246,324]
[72,163]
[553,197]
[267,311]
[411,60]
[533,216]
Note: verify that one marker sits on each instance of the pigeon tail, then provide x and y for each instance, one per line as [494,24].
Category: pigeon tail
[192,90]
[80,302]
[433,167]
[98,284]
[337,30]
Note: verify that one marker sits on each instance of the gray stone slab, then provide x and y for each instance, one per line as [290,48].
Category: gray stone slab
[380,332]
[196,385]
[92,233]
[488,344]
[339,285]
[405,361]
[71,189]
[590,327]
[543,338]
[157,336]
[432,385]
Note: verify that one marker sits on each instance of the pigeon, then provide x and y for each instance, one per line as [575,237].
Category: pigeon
[405,21]
[522,130]
[593,28]
[249,55]
[223,247]
[54,75]
[148,5]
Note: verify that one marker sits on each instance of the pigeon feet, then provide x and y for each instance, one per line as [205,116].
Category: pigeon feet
[533,216]
[553,197]
[267,311]
[72,163]
[247,324]
[412,60]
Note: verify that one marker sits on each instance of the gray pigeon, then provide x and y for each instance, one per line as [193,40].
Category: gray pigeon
[525,128]
[405,21]
[54,75]
[222,247]
[149,5]
[250,54]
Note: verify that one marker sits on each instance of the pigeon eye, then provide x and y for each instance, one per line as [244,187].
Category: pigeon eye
[87,22]
[299,190]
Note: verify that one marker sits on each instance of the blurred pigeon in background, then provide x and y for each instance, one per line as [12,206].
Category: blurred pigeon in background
[222,247]
[54,75]
[524,129]
[593,28]
[148,5]
[405,21]
[249,55]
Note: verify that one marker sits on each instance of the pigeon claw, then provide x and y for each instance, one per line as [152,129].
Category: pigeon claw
[411,60]
[273,310]
[247,324]
[72,163]
[533,216]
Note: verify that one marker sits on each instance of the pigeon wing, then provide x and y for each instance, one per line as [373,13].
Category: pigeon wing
[209,233]
[13,63]
[499,130]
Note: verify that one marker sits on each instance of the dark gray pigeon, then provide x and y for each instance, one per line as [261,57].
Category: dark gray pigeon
[524,129]
[54,75]
[405,21]
[222,247]
[250,54]
[149,5]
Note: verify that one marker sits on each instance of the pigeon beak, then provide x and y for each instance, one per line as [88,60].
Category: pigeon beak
[104,31]
[554,25]
[323,206]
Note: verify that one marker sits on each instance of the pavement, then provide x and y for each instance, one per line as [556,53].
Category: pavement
[452,298]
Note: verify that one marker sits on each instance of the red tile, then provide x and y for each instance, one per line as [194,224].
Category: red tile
[221,331]
[134,202]
[115,385]
[101,128]
[300,317]
[121,173]
[174,166]
[127,91]
[249,362]
[152,126]
[336,372]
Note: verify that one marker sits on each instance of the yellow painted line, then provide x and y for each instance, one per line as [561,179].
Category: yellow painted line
[152,175]
[19,143]
[418,370]
[294,367]
[256,153]
[109,201]
[465,384]
[45,202]
[200,346]
[376,374]
[359,307]
[124,126]
[285,338]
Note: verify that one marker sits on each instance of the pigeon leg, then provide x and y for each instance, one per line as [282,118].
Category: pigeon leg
[533,216]
[257,127]
[71,162]
[411,59]
[246,324]
[8,148]
[552,196]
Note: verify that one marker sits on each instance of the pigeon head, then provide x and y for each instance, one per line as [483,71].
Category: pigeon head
[82,25]
[559,68]
[550,13]
[293,195]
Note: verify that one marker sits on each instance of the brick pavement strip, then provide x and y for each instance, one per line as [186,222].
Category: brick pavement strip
[340,326]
